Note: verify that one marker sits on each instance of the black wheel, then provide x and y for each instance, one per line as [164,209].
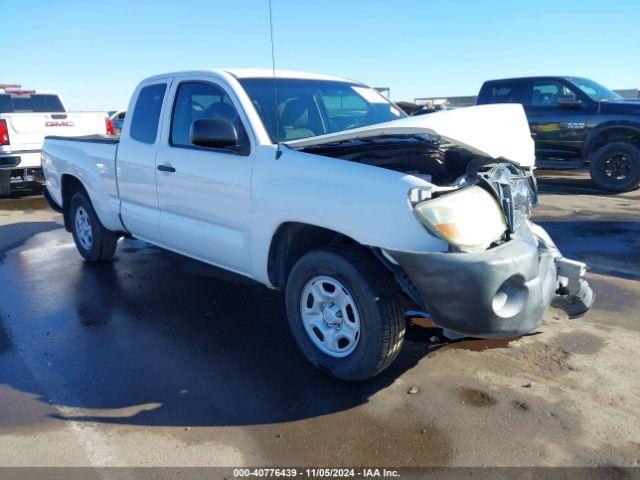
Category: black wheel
[615,167]
[94,242]
[5,183]
[344,311]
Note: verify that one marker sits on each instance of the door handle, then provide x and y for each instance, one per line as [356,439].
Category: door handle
[166,168]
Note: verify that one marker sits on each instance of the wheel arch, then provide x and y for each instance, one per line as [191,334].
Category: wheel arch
[611,132]
[291,240]
[69,186]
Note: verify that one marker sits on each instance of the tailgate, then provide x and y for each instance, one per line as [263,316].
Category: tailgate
[27,130]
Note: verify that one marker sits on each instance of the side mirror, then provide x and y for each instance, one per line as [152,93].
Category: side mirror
[213,133]
[568,101]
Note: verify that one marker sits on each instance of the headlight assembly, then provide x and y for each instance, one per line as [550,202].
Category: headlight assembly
[515,189]
[470,218]
[522,200]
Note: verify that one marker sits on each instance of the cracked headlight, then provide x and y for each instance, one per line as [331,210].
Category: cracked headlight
[516,190]
[470,218]
[522,200]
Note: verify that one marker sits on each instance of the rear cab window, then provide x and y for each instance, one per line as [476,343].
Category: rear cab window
[505,92]
[30,103]
[146,113]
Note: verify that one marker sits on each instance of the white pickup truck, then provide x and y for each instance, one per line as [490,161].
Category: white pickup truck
[26,117]
[320,186]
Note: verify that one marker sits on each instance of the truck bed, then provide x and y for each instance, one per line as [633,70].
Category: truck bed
[96,138]
[91,158]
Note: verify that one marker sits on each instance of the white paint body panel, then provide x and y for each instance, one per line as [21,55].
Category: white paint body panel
[94,165]
[224,209]
[368,204]
[28,130]
[214,216]
[136,173]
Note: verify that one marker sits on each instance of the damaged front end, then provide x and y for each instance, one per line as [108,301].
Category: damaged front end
[501,271]
[475,191]
[500,285]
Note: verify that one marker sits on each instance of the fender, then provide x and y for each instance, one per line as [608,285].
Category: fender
[349,198]
[604,127]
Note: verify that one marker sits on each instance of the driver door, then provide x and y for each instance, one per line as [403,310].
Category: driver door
[204,193]
[558,130]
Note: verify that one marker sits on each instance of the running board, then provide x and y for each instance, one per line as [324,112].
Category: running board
[556,164]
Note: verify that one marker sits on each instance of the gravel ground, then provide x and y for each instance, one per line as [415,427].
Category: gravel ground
[157,360]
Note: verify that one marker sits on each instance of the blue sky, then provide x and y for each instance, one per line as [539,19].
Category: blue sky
[94,53]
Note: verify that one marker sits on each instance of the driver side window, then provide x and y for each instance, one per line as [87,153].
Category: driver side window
[200,100]
[546,93]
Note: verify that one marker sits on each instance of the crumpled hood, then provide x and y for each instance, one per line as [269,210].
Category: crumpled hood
[499,130]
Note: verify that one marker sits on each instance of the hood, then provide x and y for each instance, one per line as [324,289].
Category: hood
[626,107]
[495,131]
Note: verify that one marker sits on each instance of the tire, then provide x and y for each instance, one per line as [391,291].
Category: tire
[94,242]
[615,167]
[375,297]
[5,183]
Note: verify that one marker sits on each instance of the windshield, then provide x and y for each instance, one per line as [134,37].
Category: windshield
[11,103]
[307,108]
[594,90]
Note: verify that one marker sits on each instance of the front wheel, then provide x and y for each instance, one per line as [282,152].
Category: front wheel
[94,242]
[615,167]
[344,311]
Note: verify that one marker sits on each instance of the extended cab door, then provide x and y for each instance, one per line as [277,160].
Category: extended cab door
[204,193]
[557,115]
[136,161]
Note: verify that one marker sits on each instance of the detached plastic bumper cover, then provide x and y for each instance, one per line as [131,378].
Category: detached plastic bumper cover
[497,293]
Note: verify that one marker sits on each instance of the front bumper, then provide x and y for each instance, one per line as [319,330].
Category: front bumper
[498,293]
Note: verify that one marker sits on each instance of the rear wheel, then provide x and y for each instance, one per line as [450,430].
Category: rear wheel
[344,311]
[5,183]
[94,242]
[615,167]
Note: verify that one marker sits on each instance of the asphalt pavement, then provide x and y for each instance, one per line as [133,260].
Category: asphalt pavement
[158,360]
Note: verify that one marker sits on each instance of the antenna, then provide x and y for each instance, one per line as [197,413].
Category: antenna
[275,89]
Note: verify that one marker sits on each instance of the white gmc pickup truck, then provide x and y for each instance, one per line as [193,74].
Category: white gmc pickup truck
[26,117]
[320,186]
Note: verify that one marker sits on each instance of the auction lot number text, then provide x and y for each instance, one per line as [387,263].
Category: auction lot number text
[316,472]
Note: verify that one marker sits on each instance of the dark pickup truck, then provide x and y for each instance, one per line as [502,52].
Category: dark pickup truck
[575,122]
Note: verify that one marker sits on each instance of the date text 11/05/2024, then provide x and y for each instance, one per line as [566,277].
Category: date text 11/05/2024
[316,472]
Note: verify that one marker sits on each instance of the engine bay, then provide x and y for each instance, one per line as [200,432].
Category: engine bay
[421,155]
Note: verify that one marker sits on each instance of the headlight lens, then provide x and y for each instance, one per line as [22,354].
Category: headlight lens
[516,189]
[522,200]
[470,218]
